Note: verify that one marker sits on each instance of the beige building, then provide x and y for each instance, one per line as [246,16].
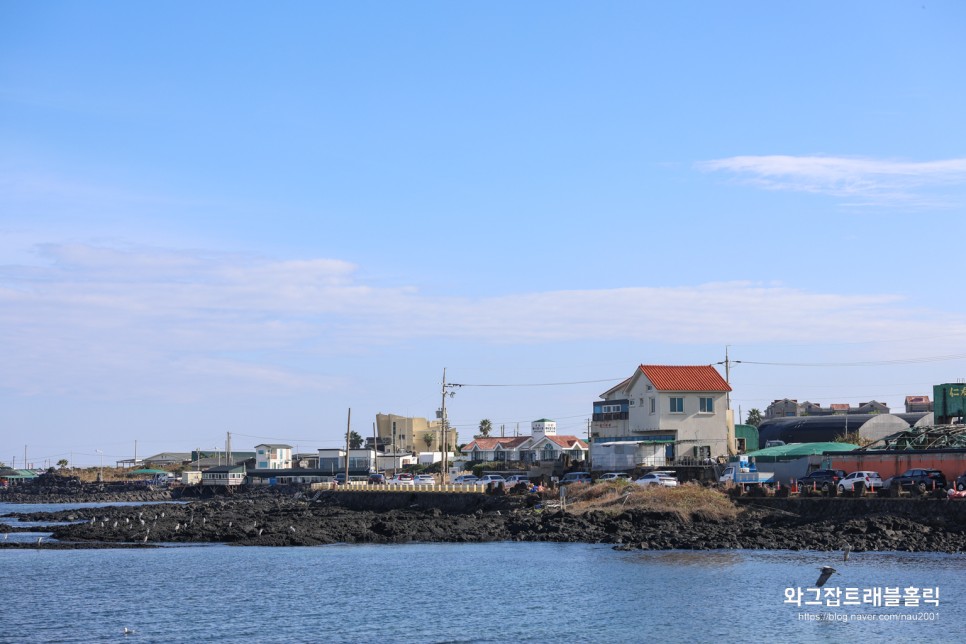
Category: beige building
[409,434]
[682,410]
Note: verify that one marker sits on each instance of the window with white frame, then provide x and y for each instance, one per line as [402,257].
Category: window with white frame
[676,405]
[706,405]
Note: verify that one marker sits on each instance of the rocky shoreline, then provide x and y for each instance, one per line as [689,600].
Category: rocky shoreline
[279,518]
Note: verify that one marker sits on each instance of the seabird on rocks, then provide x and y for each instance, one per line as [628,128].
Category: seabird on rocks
[845,551]
[827,571]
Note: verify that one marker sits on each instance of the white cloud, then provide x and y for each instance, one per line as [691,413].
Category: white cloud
[858,180]
[174,324]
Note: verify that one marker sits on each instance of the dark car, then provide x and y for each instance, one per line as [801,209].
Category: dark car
[576,477]
[822,479]
[961,482]
[919,478]
[377,479]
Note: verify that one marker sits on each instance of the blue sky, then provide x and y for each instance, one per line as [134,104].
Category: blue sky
[247,217]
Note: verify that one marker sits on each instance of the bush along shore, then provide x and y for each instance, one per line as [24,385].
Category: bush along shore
[629,518]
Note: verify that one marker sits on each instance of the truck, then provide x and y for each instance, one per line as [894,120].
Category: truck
[745,472]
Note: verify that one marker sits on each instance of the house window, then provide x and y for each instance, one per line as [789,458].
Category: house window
[653,404]
[706,405]
[677,405]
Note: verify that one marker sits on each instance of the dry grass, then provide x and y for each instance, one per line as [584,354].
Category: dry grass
[687,502]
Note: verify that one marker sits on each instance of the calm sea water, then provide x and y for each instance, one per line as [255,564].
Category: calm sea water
[496,592]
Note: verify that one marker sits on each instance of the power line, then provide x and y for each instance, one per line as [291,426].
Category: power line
[868,363]
[538,384]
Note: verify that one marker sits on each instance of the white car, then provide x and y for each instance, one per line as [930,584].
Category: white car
[517,478]
[657,478]
[871,479]
[401,479]
[491,478]
[424,479]
[465,479]
[614,476]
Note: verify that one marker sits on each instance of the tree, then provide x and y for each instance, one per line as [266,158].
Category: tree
[753,418]
[428,439]
[355,440]
[62,463]
[485,427]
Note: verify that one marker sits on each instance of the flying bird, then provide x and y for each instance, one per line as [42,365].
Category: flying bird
[827,571]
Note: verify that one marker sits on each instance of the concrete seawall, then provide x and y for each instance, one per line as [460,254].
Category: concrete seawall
[839,508]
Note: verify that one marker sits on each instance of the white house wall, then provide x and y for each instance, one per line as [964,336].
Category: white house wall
[692,428]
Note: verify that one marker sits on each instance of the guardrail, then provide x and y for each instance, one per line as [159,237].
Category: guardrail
[362,486]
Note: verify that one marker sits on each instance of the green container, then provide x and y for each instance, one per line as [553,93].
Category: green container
[950,402]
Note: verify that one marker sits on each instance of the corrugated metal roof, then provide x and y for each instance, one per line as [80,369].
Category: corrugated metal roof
[684,378]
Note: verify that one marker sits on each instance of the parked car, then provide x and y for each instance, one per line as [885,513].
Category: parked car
[340,478]
[424,479]
[466,479]
[402,478]
[663,479]
[613,476]
[376,479]
[576,477]
[961,482]
[871,479]
[920,478]
[494,479]
[822,479]
[517,478]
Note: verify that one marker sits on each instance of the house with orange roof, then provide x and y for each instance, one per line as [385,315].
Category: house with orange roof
[668,411]
[543,444]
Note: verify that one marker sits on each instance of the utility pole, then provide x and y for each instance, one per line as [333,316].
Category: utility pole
[375,449]
[228,448]
[442,422]
[348,424]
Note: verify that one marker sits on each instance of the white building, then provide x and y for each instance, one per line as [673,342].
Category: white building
[361,461]
[543,444]
[683,408]
[273,457]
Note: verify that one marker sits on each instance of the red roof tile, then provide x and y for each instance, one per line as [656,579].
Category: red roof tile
[567,442]
[672,378]
[488,444]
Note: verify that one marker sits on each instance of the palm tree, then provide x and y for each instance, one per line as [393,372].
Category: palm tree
[428,439]
[355,440]
[62,463]
[754,417]
[485,427]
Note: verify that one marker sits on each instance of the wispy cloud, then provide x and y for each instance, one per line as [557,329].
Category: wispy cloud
[859,181]
[90,321]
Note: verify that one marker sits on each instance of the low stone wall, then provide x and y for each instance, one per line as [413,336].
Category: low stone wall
[450,502]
